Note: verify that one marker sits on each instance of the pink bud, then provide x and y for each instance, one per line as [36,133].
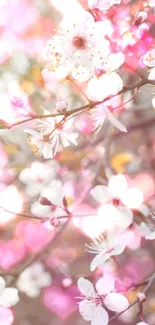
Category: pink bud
[17,102]
[141,296]
[61,106]
[140,18]
[55,222]
[44,201]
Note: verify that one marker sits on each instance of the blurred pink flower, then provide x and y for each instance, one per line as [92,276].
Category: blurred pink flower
[34,235]
[11,252]
[6,316]
[59,301]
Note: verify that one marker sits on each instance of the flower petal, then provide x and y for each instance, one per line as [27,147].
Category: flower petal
[116,302]
[101,316]
[151,236]
[151,75]
[115,121]
[101,193]
[105,284]
[6,316]
[2,285]
[86,309]
[98,260]
[117,185]
[123,217]
[86,287]
[9,297]
[133,198]
[115,61]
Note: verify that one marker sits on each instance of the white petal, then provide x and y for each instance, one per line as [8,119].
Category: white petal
[115,121]
[116,302]
[133,198]
[124,217]
[113,83]
[2,285]
[142,323]
[151,236]
[86,287]
[9,297]
[101,316]
[99,260]
[119,249]
[105,285]
[151,75]
[101,193]
[117,185]
[115,61]
[86,309]
[47,151]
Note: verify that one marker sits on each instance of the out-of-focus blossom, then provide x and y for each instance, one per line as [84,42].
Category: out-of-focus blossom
[11,253]
[149,61]
[5,51]
[34,236]
[37,176]
[91,306]
[122,201]
[100,113]
[105,246]
[6,316]
[142,323]
[11,200]
[106,81]
[54,193]
[61,302]
[49,134]
[151,3]
[102,4]
[8,296]
[33,279]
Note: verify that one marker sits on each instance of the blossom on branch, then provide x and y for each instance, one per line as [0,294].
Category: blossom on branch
[91,307]
[102,4]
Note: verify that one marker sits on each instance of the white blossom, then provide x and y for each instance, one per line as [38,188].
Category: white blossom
[117,201]
[33,279]
[102,4]
[149,61]
[8,296]
[91,307]
[100,113]
[106,81]
[105,246]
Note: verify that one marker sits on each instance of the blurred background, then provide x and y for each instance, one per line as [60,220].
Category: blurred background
[44,264]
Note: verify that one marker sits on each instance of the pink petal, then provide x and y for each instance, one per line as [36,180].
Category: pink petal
[87,309]
[86,287]
[6,316]
[105,285]
[100,317]
[116,302]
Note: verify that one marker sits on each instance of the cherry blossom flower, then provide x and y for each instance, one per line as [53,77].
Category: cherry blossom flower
[8,296]
[105,246]
[91,308]
[6,316]
[37,176]
[142,323]
[106,81]
[33,279]
[49,134]
[117,201]
[100,113]
[102,4]
[151,3]
[149,61]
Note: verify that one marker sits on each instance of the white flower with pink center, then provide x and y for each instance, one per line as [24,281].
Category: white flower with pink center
[117,201]
[92,306]
[102,4]
[49,134]
[105,246]
[100,113]
[149,61]
[105,80]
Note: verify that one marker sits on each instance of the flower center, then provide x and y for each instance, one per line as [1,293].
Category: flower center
[116,201]
[79,42]
[98,73]
[33,147]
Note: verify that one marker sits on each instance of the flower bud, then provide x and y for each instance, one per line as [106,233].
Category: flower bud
[44,201]
[17,102]
[140,18]
[55,222]
[61,106]
[141,297]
